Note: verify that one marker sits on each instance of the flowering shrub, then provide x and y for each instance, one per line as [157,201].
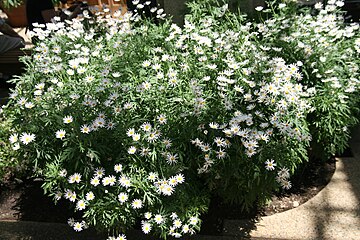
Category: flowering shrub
[327,50]
[9,164]
[260,106]
[129,122]
[100,133]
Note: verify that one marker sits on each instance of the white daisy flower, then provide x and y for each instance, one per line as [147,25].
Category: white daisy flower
[162,119]
[214,125]
[185,228]
[70,72]
[22,101]
[99,172]
[219,141]
[132,150]
[85,129]
[146,127]
[286,184]
[137,204]
[95,181]
[146,85]
[167,142]
[89,78]
[118,168]
[146,227]
[220,154]
[38,92]
[106,181]
[284,173]
[136,137]
[58,196]
[78,226]
[152,177]
[174,216]
[110,125]
[270,165]
[110,180]
[205,148]
[27,138]
[173,181]
[177,223]
[146,63]
[158,219]
[145,152]
[68,119]
[180,178]
[130,132]
[166,189]
[13,138]
[194,220]
[171,158]
[81,70]
[123,197]
[90,196]
[75,178]
[29,105]
[173,82]
[99,122]
[152,137]
[60,134]
[121,237]
[147,215]
[80,205]
[73,197]
[125,181]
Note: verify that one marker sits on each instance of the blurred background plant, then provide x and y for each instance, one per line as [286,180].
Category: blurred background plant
[9,4]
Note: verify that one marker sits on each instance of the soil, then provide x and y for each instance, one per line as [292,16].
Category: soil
[311,178]
[26,201]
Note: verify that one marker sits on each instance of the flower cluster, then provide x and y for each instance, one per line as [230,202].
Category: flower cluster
[326,49]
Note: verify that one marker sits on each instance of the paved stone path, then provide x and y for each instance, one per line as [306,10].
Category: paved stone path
[333,214]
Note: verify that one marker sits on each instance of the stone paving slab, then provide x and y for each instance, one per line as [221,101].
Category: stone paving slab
[333,214]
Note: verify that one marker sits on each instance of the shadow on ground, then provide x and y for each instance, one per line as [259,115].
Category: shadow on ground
[33,205]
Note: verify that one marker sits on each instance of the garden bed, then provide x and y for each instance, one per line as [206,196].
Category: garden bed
[316,175]
[138,125]
[25,201]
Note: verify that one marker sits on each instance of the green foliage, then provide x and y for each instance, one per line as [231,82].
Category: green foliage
[130,122]
[10,162]
[8,4]
[327,49]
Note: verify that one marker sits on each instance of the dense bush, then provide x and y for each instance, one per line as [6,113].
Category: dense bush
[328,51]
[130,122]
